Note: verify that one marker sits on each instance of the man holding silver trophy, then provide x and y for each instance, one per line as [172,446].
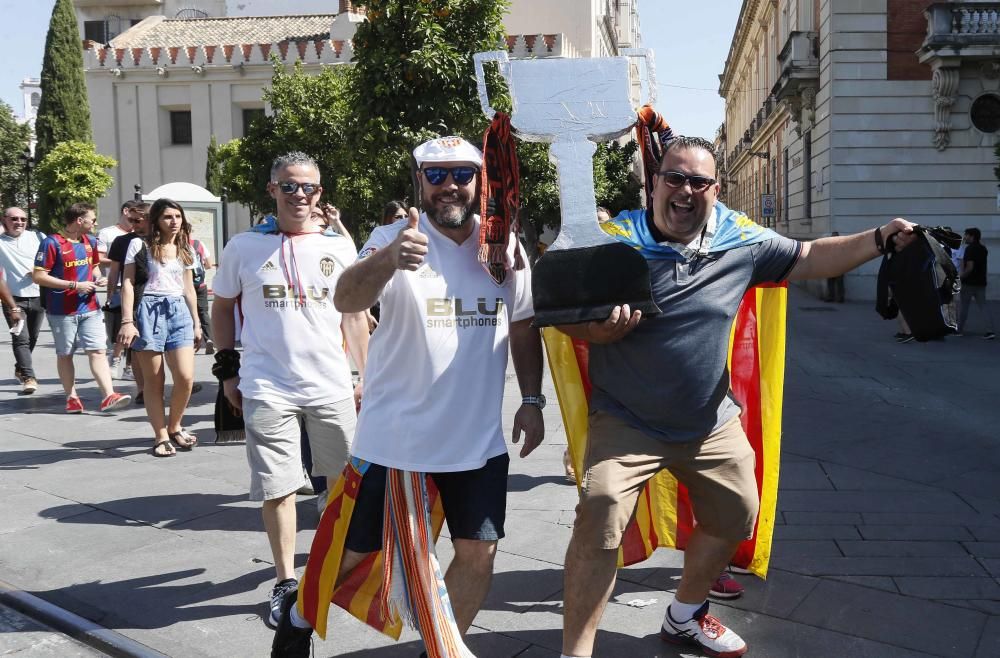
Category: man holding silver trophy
[655,295]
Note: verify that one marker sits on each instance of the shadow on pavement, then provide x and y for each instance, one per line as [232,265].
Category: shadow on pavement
[152,602]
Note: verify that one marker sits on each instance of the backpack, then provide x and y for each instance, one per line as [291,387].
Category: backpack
[920,282]
[199,265]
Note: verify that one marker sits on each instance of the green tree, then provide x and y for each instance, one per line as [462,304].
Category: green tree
[73,171]
[64,113]
[412,79]
[14,138]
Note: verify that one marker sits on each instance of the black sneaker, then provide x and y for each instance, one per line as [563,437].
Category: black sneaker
[290,641]
[277,592]
[904,338]
[989,335]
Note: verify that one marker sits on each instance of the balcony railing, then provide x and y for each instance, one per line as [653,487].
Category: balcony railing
[798,64]
[967,29]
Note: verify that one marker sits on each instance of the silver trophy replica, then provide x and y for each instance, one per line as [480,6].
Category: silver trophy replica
[572,104]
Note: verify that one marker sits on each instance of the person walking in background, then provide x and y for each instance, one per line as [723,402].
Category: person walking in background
[66,266]
[293,368]
[160,320]
[203,263]
[18,246]
[112,303]
[139,219]
[393,212]
[973,274]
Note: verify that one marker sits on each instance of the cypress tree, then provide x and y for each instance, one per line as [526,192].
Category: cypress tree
[64,112]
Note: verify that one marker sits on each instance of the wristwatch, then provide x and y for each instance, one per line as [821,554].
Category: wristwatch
[537,400]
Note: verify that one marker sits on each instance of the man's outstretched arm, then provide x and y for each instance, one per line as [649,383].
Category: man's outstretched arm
[833,256]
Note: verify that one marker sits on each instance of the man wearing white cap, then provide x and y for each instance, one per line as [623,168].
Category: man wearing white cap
[435,380]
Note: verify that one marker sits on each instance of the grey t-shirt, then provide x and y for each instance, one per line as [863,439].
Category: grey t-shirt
[669,377]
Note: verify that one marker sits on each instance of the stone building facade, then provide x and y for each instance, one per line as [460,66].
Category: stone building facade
[185,70]
[852,112]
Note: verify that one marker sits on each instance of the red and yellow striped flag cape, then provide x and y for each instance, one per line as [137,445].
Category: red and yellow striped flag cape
[663,515]
[362,593]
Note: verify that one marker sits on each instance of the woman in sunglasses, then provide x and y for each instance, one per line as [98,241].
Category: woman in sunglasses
[160,320]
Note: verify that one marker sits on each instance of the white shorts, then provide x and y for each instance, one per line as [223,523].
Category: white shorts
[274,439]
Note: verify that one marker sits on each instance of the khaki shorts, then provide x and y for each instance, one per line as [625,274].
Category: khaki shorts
[274,439]
[718,472]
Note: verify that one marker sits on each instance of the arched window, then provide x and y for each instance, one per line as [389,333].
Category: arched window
[187,14]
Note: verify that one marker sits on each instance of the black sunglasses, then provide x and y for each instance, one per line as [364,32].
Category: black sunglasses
[677,179]
[308,189]
[461,175]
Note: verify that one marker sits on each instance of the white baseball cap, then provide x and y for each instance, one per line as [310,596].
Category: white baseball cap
[447,149]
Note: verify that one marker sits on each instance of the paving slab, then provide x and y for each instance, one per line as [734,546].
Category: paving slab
[872,614]
[912,533]
[172,554]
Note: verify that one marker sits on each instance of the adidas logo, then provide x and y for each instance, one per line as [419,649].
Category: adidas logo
[268,267]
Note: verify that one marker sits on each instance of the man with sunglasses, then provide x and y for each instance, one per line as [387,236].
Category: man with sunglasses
[293,369]
[661,394]
[138,217]
[18,246]
[113,302]
[435,380]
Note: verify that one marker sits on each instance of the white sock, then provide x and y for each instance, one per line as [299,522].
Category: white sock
[297,620]
[682,612]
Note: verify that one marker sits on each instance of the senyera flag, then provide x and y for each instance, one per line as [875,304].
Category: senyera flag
[663,516]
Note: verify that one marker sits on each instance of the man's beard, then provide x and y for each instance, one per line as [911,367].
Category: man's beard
[450,216]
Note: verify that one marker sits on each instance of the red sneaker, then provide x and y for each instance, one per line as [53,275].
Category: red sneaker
[74,405]
[115,401]
[725,587]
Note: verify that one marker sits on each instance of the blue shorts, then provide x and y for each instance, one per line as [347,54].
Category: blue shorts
[164,324]
[475,504]
[84,330]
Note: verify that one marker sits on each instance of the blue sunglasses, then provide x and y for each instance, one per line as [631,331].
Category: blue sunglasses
[438,175]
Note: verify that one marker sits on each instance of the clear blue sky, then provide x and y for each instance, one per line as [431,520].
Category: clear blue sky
[690,40]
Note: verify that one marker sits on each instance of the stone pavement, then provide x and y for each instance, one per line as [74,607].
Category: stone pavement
[887,544]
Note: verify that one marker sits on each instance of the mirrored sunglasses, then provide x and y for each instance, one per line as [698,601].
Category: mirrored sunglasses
[291,188]
[438,175]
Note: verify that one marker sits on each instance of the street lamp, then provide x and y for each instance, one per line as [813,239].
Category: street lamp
[29,163]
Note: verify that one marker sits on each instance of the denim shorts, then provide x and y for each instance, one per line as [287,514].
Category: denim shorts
[164,324]
[84,330]
[475,504]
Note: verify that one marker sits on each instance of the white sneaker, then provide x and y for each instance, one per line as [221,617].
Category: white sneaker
[705,631]
[127,374]
[115,364]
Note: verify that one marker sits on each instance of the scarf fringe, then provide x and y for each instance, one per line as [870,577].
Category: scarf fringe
[231,436]
[415,590]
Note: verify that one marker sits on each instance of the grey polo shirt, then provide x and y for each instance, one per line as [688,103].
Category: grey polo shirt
[669,377]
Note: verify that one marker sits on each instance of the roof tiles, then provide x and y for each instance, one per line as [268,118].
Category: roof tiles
[230,30]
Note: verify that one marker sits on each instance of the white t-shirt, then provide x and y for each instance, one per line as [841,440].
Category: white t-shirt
[434,380]
[292,354]
[17,259]
[165,279]
[105,237]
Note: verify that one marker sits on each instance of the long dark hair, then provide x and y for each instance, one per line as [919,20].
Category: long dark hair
[155,239]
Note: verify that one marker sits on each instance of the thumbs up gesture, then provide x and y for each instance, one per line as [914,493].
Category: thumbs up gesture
[410,246]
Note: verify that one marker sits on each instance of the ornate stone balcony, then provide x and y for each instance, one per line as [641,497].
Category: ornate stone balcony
[798,78]
[970,30]
[958,33]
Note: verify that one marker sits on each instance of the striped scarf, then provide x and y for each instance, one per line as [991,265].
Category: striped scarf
[499,200]
[402,582]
